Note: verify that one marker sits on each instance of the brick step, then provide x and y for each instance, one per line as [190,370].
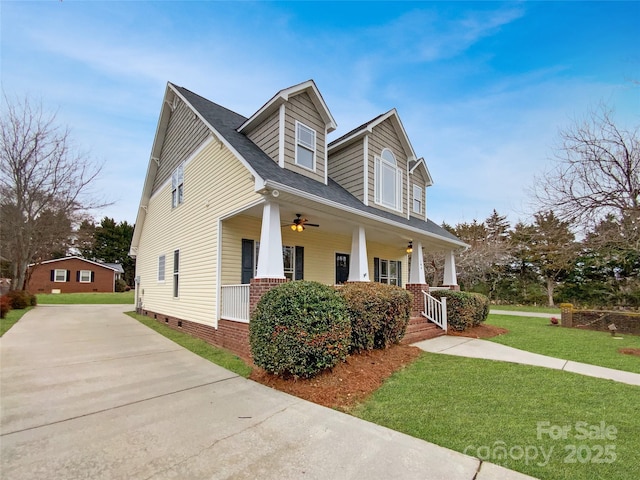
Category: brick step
[419,328]
[419,336]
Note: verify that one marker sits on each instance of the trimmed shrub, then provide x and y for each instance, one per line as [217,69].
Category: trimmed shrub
[121,286]
[299,329]
[464,309]
[379,314]
[5,306]
[20,299]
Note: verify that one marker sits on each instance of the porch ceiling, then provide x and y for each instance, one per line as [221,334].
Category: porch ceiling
[337,221]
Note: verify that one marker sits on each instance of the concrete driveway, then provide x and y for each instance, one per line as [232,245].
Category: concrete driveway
[87,392]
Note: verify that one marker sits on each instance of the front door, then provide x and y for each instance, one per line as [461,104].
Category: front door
[342,268]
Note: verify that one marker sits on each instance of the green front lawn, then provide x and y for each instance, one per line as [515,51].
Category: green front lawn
[123,298]
[480,406]
[11,319]
[538,336]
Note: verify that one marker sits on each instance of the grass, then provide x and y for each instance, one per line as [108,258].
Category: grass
[124,298]
[474,406]
[216,355]
[538,336]
[527,308]
[11,319]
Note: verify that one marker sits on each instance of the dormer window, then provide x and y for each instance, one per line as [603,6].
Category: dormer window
[388,181]
[417,199]
[305,146]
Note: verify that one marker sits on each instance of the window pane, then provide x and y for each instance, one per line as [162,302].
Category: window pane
[388,186]
[304,157]
[176,261]
[61,276]
[306,137]
[388,156]
[161,262]
[180,193]
[393,270]
[85,276]
[384,268]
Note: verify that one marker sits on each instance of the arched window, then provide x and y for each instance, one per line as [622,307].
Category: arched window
[388,181]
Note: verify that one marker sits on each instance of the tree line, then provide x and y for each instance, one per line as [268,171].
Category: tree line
[543,262]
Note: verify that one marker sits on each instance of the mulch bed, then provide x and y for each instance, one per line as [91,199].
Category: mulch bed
[352,381]
[630,351]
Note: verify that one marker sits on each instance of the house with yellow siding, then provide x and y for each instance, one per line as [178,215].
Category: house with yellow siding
[233,206]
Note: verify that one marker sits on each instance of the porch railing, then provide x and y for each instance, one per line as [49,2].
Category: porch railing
[235,302]
[435,310]
[435,289]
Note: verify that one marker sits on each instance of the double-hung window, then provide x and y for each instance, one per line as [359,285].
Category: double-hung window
[60,275]
[85,276]
[417,199]
[177,186]
[305,146]
[388,181]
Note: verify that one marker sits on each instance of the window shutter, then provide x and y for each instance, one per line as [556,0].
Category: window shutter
[399,273]
[376,269]
[68,275]
[247,260]
[299,274]
[77,275]
[399,188]
[53,275]
[93,276]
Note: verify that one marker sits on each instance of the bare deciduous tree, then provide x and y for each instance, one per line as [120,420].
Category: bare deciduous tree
[43,183]
[597,173]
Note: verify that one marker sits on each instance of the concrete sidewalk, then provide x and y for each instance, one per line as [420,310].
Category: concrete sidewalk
[476,348]
[89,393]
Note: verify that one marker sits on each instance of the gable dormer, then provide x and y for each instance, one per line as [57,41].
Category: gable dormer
[419,180]
[373,161]
[292,129]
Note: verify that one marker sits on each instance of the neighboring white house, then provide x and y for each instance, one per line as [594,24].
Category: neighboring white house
[229,201]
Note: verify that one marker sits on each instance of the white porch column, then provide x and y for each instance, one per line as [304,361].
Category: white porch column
[417,265]
[270,261]
[450,276]
[358,265]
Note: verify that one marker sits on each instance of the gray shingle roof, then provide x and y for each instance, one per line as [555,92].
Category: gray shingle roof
[226,122]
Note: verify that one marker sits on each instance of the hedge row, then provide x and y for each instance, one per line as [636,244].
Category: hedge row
[301,328]
[16,300]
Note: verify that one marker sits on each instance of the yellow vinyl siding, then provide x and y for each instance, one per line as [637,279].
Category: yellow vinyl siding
[216,183]
[320,250]
[384,136]
[301,108]
[265,136]
[346,167]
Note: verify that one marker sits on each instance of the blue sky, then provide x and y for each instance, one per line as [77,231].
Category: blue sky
[481,87]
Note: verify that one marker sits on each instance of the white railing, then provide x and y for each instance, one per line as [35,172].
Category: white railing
[235,302]
[435,310]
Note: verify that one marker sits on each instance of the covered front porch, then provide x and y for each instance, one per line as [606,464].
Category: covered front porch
[260,249]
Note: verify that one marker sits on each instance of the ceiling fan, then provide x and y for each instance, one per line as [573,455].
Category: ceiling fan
[298,224]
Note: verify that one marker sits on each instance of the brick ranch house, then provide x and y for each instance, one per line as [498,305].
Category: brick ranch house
[73,275]
[232,206]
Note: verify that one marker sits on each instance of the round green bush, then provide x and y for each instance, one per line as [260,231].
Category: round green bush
[299,329]
[379,314]
[464,309]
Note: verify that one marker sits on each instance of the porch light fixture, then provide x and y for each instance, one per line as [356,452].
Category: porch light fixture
[297,228]
[410,247]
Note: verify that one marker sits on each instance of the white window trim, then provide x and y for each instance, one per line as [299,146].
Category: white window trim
[306,146]
[84,272]
[176,275]
[55,275]
[164,268]
[417,189]
[177,181]
[381,162]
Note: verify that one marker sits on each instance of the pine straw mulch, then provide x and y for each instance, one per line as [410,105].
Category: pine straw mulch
[352,381]
[630,351]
